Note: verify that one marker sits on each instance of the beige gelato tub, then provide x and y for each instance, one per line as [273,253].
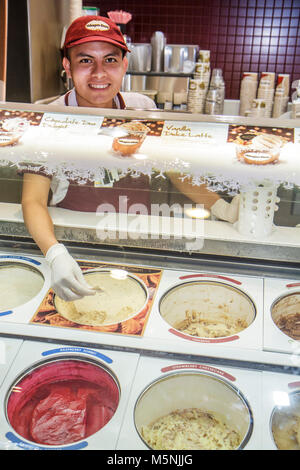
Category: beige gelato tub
[192,411]
[285,424]
[285,312]
[119,296]
[19,283]
[208,309]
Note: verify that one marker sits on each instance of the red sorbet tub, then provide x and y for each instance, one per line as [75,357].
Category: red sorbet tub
[62,401]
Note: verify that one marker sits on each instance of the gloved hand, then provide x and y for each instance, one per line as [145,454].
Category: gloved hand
[67,279]
[228,211]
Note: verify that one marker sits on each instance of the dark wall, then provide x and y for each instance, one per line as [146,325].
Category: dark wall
[18,71]
[242,35]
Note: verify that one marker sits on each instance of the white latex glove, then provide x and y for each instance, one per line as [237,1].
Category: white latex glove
[67,279]
[228,211]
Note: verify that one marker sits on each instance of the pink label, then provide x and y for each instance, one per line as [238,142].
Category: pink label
[199,367]
[203,340]
[224,278]
[294,385]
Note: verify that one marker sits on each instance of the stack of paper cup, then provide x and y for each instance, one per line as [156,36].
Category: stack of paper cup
[258,108]
[296,110]
[281,97]
[266,90]
[202,67]
[198,86]
[196,95]
[202,72]
[248,92]
[204,56]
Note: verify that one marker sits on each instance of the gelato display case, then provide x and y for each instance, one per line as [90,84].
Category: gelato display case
[191,241]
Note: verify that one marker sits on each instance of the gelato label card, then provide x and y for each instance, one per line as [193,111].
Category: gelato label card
[297,135]
[202,132]
[72,123]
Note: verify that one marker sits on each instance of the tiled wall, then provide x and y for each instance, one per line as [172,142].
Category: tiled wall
[242,35]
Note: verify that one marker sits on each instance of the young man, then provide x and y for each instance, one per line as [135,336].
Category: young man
[95,59]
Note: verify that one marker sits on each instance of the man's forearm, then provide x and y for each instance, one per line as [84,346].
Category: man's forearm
[39,225]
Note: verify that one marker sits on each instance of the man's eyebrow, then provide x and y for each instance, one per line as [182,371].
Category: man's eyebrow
[82,54]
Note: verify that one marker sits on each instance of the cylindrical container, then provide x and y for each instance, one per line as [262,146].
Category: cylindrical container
[283,81]
[62,400]
[140,57]
[285,313]
[212,103]
[179,100]
[118,297]
[256,210]
[216,83]
[285,424]
[248,91]
[196,95]
[295,110]
[204,56]
[267,96]
[75,9]
[259,107]
[90,11]
[158,42]
[202,72]
[266,91]
[193,411]
[280,103]
[193,308]
[19,283]
[267,78]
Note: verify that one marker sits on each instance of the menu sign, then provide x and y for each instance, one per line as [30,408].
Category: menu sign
[70,123]
[297,135]
[202,132]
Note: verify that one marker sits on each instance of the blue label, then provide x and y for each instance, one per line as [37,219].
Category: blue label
[73,349]
[8,312]
[31,446]
[24,258]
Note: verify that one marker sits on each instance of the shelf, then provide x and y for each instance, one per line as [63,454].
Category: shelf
[161,74]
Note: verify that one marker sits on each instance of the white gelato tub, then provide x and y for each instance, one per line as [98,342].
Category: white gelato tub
[119,296]
[216,414]
[19,283]
[208,309]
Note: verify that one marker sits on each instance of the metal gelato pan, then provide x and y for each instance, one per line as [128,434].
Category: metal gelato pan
[62,401]
[19,283]
[119,296]
[285,313]
[285,423]
[192,411]
[208,309]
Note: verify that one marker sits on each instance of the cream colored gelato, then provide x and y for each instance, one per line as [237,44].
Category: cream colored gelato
[286,425]
[207,309]
[286,315]
[19,283]
[190,429]
[115,300]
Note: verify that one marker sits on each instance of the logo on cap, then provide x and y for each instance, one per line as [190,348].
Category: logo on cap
[95,25]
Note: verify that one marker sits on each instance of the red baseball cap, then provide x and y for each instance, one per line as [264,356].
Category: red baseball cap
[90,28]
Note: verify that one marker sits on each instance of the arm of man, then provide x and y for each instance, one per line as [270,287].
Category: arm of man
[66,276]
[35,211]
[210,200]
[198,194]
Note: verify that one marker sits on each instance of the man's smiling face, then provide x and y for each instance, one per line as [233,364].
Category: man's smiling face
[97,69]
